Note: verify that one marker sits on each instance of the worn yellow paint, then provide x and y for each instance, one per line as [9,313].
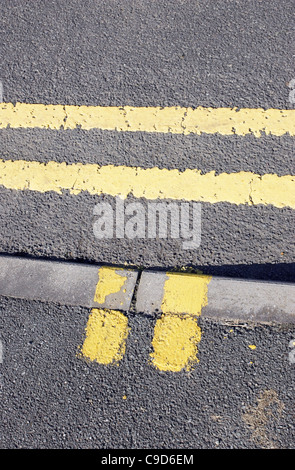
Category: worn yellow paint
[106,335]
[151,183]
[177,333]
[27,115]
[110,281]
[175,119]
[252,346]
[185,293]
[175,342]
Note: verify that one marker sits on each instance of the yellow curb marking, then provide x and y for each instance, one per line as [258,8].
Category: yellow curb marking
[185,293]
[175,342]
[110,282]
[106,335]
[106,330]
[176,336]
[152,183]
[174,119]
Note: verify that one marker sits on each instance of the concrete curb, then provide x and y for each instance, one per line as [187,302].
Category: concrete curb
[113,288]
[225,298]
[67,283]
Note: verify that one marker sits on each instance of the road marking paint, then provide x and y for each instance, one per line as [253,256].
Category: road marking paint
[106,335]
[175,342]
[185,293]
[31,115]
[152,183]
[176,336]
[111,281]
[175,119]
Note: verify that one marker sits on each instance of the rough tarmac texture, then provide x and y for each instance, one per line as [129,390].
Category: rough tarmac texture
[234,398]
[157,54]
[241,241]
[163,53]
[138,53]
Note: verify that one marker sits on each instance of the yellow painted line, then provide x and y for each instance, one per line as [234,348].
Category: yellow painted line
[185,293]
[106,330]
[110,282]
[176,120]
[106,335]
[175,342]
[152,183]
[176,336]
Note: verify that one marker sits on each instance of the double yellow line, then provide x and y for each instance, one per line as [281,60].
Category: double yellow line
[176,335]
[152,183]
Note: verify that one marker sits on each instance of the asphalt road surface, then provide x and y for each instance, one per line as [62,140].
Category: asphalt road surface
[216,54]
[236,397]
